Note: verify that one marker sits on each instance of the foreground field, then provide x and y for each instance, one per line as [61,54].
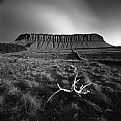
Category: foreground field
[27,86]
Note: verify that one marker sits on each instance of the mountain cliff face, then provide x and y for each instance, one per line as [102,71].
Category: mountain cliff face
[50,41]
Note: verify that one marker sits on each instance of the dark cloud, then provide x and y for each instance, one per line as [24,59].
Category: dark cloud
[60,16]
[1,1]
[107,11]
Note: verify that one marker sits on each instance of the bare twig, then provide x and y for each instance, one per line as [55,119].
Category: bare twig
[65,90]
[53,95]
[60,89]
[81,88]
[73,88]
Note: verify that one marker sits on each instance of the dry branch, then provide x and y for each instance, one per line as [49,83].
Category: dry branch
[73,88]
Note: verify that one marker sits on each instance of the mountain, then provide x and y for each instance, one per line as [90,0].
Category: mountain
[10,47]
[61,42]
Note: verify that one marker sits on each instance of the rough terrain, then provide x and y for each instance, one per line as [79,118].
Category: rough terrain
[26,85]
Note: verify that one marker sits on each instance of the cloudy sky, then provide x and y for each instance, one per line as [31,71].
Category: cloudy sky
[61,16]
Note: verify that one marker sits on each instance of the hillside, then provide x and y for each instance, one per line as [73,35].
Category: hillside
[43,90]
[10,48]
[61,42]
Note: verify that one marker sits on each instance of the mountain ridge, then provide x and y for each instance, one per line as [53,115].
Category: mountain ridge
[62,41]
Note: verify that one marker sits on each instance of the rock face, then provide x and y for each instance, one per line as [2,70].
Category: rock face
[50,41]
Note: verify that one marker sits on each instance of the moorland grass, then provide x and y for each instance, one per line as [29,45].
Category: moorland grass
[26,86]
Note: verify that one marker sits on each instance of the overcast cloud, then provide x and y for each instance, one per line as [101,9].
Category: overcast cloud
[61,16]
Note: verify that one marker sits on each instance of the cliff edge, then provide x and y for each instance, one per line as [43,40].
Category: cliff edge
[61,42]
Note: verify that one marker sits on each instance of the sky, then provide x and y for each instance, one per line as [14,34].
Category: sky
[61,17]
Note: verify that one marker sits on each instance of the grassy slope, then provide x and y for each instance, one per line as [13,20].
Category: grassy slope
[26,85]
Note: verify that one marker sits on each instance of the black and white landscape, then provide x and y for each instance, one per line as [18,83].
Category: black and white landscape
[68,69]
[60,83]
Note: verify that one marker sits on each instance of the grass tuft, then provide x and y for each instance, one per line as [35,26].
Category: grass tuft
[27,85]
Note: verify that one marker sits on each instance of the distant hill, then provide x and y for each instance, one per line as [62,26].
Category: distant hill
[61,42]
[10,47]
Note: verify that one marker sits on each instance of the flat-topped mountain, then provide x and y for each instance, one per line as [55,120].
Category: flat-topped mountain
[50,41]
